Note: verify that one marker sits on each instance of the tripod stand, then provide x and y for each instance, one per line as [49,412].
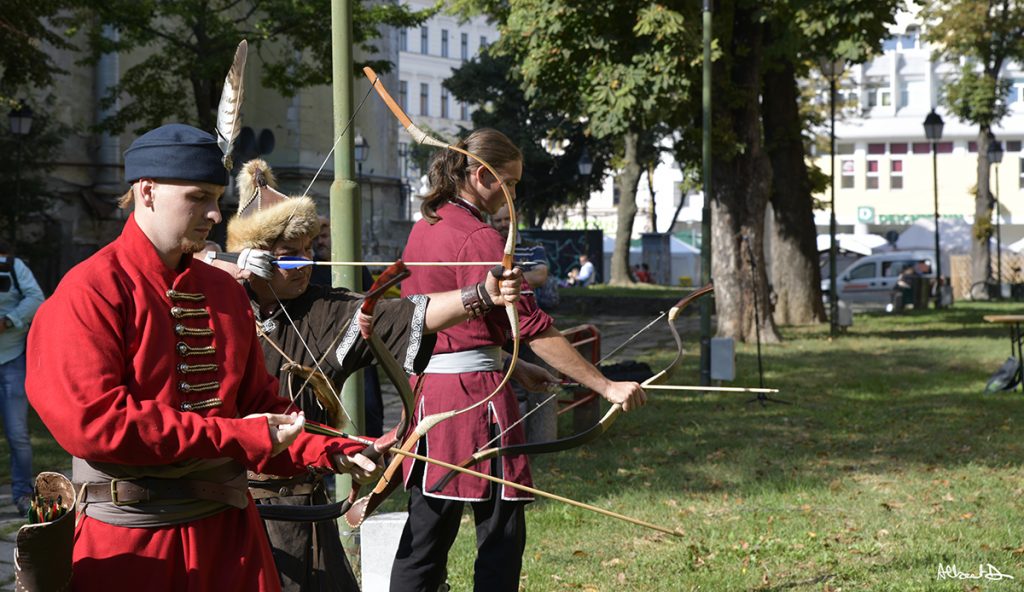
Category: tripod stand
[761,397]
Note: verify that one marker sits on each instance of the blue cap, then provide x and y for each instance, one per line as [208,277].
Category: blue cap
[175,151]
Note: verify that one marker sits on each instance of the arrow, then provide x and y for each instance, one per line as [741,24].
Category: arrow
[289,263]
[326,431]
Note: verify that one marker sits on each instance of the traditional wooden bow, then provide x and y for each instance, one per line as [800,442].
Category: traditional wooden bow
[425,424]
[326,431]
[601,426]
[395,373]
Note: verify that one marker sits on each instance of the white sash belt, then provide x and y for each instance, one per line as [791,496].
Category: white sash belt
[484,359]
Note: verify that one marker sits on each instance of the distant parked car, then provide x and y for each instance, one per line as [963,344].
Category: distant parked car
[872,279]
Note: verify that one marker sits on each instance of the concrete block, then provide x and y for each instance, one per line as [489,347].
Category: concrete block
[723,358]
[379,536]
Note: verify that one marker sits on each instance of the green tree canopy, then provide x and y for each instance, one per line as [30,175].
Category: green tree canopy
[188,44]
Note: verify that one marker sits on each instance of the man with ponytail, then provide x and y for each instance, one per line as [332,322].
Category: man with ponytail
[465,367]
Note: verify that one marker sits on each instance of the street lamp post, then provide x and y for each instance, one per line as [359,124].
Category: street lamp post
[995,156]
[362,151]
[20,120]
[585,165]
[933,131]
[831,68]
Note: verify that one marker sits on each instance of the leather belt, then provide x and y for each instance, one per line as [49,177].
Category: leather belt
[264,490]
[126,492]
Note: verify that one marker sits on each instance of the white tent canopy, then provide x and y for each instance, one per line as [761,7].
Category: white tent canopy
[862,244]
[955,236]
[685,258]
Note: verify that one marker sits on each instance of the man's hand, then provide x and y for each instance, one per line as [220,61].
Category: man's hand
[628,394]
[284,429]
[362,469]
[258,262]
[505,291]
[533,378]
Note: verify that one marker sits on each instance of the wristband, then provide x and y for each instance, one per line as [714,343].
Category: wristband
[476,300]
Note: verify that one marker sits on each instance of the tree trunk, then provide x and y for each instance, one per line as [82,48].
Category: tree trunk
[650,189]
[981,253]
[626,182]
[796,276]
[742,184]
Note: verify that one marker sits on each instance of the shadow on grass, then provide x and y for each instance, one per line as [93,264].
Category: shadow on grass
[864,405]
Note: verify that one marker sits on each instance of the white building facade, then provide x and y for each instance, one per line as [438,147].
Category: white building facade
[427,56]
[884,163]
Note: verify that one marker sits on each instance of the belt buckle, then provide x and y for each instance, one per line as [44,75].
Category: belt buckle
[113,493]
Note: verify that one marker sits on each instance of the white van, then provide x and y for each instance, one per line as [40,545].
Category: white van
[872,279]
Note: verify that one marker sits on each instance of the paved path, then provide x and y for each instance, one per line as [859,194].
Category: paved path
[9,521]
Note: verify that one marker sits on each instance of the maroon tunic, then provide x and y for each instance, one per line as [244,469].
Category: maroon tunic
[462,235]
[105,374]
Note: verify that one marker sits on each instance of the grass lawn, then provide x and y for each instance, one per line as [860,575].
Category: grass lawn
[888,462]
[634,291]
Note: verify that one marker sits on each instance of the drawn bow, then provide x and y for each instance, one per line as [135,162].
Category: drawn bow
[592,433]
[395,373]
[427,423]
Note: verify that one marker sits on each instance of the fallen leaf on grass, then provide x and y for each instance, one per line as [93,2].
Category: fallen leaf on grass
[578,553]
[611,562]
[948,498]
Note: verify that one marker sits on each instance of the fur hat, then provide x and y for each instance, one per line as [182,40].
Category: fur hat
[266,215]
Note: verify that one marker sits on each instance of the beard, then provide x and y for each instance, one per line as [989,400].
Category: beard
[191,246]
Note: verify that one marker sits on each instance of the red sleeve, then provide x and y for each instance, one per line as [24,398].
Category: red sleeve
[258,393]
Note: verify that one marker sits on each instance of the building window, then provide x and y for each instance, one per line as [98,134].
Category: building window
[403,94]
[898,148]
[871,176]
[1021,183]
[944,147]
[1013,145]
[483,42]
[403,39]
[615,195]
[424,40]
[847,178]
[890,44]
[463,111]
[876,148]
[922,148]
[444,43]
[444,102]
[844,148]
[403,158]
[896,174]
[424,99]
[464,46]
[972,147]
[909,40]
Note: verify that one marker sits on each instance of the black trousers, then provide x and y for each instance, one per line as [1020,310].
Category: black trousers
[422,558]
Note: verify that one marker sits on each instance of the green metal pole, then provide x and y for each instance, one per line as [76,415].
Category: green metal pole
[345,207]
[705,226]
[833,293]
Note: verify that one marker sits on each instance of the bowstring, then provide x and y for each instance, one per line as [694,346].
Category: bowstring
[312,356]
[340,136]
[558,390]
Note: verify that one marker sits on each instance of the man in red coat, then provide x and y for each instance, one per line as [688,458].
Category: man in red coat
[145,366]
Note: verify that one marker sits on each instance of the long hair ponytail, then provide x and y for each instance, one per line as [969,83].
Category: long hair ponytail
[449,169]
